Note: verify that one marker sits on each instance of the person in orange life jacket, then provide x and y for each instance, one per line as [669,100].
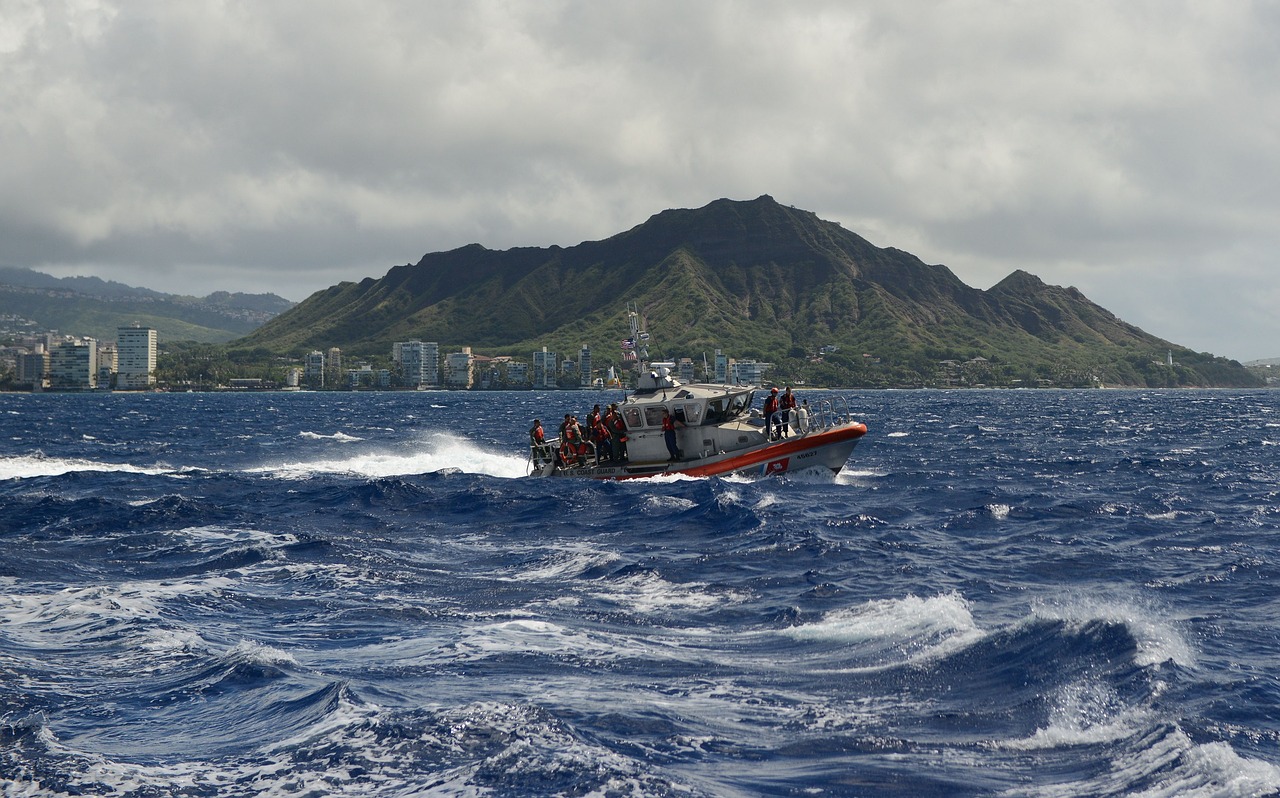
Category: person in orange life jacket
[564,440]
[770,410]
[571,441]
[669,434]
[604,435]
[537,443]
[787,406]
[591,431]
[618,428]
[579,439]
[600,436]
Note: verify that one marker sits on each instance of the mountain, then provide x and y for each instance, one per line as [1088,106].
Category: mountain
[758,280]
[95,307]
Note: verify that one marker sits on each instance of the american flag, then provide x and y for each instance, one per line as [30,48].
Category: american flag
[628,343]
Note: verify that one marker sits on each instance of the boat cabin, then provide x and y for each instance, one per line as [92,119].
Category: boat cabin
[710,419]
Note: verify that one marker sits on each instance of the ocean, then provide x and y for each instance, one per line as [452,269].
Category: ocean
[1005,593]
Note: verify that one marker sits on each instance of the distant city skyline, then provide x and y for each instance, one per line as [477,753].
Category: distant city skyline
[1130,150]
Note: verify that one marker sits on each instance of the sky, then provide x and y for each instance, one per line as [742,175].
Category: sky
[1131,150]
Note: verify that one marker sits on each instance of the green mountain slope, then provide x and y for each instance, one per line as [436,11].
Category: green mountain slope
[93,307]
[756,279]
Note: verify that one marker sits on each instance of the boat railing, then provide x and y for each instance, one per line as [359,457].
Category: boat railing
[542,453]
[552,451]
[829,412]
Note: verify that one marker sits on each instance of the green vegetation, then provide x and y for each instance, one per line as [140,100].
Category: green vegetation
[757,280]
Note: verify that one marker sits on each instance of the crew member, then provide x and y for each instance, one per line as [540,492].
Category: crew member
[770,410]
[787,407]
[538,444]
[669,434]
[619,430]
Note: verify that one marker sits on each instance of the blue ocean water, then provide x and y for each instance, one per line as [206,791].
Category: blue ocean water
[1007,593]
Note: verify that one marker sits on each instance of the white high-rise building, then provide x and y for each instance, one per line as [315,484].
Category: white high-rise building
[135,358]
[457,369]
[544,369]
[313,369]
[584,366]
[724,364]
[419,363]
[73,365]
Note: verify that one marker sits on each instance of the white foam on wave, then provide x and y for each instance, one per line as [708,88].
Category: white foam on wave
[38,617]
[897,434]
[439,452]
[1158,639]
[853,476]
[661,505]
[568,562]
[924,628]
[1084,713]
[341,437]
[647,593]
[1167,765]
[37,465]
[533,636]
[260,654]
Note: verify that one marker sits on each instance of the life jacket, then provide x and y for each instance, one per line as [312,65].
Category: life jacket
[668,425]
[535,436]
[620,427]
[788,401]
[770,405]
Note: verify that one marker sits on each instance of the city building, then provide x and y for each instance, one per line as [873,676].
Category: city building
[584,366]
[73,365]
[723,365]
[135,358]
[419,363]
[684,367]
[313,369]
[544,369]
[457,369]
[333,372]
[748,372]
[33,368]
[107,362]
[366,376]
[517,374]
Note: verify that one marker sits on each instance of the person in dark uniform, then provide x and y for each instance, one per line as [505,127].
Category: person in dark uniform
[669,434]
[538,444]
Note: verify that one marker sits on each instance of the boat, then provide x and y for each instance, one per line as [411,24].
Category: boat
[717,430]
[718,433]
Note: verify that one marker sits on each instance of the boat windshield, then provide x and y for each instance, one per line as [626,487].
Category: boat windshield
[727,408]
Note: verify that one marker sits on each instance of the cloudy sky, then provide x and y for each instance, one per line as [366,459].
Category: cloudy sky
[1129,149]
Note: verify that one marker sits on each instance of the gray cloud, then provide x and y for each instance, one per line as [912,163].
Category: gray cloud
[1130,150]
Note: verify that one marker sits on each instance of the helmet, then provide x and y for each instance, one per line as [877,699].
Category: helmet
[773,390]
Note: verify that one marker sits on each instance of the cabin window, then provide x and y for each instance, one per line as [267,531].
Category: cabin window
[692,413]
[715,411]
[653,416]
[631,415]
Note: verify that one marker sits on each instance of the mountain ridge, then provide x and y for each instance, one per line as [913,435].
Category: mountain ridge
[755,278]
[95,307]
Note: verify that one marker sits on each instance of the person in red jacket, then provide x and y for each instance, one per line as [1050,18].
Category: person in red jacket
[538,444]
[669,434]
[618,428]
[771,410]
[787,409]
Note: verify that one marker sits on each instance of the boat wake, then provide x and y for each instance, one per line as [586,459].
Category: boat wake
[440,452]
